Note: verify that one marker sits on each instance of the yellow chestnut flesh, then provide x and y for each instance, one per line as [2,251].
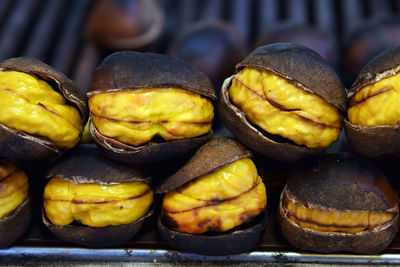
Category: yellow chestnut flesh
[281,108]
[328,220]
[217,202]
[134,117]
[14,187]
[31,105]
[96,205]
[377,104]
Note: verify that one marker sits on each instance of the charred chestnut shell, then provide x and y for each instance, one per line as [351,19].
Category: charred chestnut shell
[86,165]
[15,225]
[346,184]
[297,64]
[379,140]
[211,157]
[22,146]
[130,70]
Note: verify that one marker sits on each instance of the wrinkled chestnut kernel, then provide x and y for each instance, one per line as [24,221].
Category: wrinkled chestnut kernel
[314,38]
[15,203]
[212,46]
[43,111]
[210,198]
[116,25]
[339,204]
[373,117]
[93,201]
[146,107]
[278,107]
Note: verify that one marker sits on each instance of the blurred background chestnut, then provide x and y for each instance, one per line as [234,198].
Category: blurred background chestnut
[366,41]
[125,24]
[214,47]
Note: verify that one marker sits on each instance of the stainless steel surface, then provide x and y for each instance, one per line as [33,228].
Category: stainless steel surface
[18,253]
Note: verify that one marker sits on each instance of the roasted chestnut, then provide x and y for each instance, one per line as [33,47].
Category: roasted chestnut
[93,201]
[215,204]
[125,24]
[339,204]
[15,203]
[372,124]
[212,46]
[146,107]
[285,102]
[42,111]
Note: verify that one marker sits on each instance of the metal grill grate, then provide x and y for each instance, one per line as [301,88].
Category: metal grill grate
[54,30]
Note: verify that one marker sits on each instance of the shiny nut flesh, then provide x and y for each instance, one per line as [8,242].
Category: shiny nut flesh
[328,220]
[216,202]
[13,187]
[281,108]
[135,117]
[32,106]
[377,104]
[96,205]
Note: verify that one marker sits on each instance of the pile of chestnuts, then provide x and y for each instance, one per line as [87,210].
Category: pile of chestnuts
[284,103]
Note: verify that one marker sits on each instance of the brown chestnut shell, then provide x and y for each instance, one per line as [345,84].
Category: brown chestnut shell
[233,242]
[301,66]
[128,70]
[96,237]
[235,120]
[338,183]
[85,164]
[386,138]
[22,146]
[13,226]
[369,242]
[19,145]
[212,156]
[384,65]
[146,153]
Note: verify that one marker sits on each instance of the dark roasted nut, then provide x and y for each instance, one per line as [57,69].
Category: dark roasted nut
[42,112]
[217,191]
[93,201]
[367,41]
[15,203]
[212,46]
[116,25]
[339,204]
[372,125]
[135,97]
[285,102]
